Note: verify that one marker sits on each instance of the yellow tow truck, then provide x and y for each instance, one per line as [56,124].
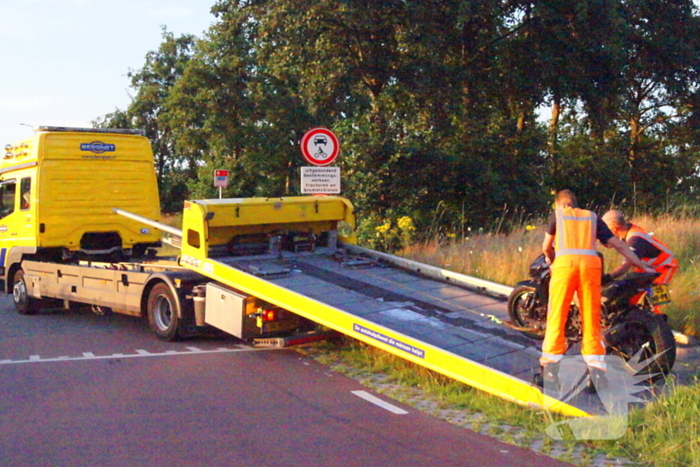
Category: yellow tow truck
[79,225]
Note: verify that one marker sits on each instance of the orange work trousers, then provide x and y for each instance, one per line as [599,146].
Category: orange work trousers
[574,274]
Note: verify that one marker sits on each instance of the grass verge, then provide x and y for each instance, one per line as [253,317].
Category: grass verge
[457,403]
[664,432]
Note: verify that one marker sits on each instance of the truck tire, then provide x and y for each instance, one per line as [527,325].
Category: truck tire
[162,311]
[24,304]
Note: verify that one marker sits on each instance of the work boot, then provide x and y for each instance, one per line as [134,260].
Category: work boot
[548,377]
[597,380]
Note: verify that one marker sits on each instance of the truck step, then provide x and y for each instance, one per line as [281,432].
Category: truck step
[297,339]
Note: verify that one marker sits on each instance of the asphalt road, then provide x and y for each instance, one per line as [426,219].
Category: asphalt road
[84,390]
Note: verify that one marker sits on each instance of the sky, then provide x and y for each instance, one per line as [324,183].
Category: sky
[65,62]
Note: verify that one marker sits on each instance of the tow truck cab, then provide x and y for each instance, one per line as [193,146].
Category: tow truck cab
[58,190]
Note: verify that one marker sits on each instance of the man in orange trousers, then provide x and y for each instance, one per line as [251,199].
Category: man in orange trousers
[570,247]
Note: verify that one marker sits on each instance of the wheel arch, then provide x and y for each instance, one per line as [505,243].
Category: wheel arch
[9,281]
[13,261]
[180,284]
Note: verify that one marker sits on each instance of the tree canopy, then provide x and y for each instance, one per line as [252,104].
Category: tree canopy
[451,112]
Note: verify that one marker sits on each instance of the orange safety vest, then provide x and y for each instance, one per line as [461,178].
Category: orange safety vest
[665,258]
[576,232]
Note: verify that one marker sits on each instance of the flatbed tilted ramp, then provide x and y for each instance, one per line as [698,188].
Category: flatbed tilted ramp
[417,318]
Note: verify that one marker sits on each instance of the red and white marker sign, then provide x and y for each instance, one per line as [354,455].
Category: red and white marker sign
[320,146]
[221,178]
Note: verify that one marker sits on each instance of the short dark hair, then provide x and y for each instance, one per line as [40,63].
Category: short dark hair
[566,196]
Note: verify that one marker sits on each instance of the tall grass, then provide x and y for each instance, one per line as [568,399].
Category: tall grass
[502,258]
[666,432]
[505,257]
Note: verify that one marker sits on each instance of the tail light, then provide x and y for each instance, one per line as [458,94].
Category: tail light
[269,315]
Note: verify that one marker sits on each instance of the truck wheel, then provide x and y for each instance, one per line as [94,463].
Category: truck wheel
[24,304]
[162,312]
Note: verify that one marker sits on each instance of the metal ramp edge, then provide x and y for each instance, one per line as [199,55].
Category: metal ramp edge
[457,367]
[434,272]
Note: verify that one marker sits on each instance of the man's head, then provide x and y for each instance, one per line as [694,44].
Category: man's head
[616,222]
[565,199]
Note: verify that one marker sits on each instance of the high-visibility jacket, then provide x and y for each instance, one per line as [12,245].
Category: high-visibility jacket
[665,264]
[665,258]
[576,232]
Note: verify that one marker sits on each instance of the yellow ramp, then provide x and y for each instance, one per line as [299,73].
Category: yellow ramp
[442,361]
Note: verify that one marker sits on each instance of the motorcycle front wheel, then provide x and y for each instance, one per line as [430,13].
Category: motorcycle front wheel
[526,312]
[648,345]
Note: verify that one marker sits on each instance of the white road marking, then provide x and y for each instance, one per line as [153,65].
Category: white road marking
[377,401]
[140,353]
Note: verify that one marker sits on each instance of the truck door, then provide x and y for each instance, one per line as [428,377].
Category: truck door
[16,210]
[8,225]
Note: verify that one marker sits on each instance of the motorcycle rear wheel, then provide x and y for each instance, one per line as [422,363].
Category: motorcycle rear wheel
[651,337]
[525,311]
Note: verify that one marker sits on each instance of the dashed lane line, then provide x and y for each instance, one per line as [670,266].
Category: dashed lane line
[377,401]
[139,353]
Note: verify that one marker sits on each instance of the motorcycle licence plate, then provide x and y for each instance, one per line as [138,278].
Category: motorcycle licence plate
[659,294]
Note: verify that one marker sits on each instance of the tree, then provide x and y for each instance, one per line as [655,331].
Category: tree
[435,101]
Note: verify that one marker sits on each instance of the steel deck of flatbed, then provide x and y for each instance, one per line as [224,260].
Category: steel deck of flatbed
[444,315]
[443,326]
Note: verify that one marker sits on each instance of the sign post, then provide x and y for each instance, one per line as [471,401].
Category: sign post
[221,180]
[320,147]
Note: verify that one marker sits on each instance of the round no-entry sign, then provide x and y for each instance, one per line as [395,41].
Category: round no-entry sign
[320,146]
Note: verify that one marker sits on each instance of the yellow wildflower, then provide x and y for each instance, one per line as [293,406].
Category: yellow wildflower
[384,228]
[406,223]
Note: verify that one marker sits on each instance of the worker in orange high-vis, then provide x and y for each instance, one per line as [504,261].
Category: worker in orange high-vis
[646,246]
[570,246]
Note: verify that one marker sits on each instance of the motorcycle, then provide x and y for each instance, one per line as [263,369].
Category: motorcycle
[630,330]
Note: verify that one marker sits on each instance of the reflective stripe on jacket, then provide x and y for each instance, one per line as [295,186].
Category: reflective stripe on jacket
[665,258]
[576,232]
